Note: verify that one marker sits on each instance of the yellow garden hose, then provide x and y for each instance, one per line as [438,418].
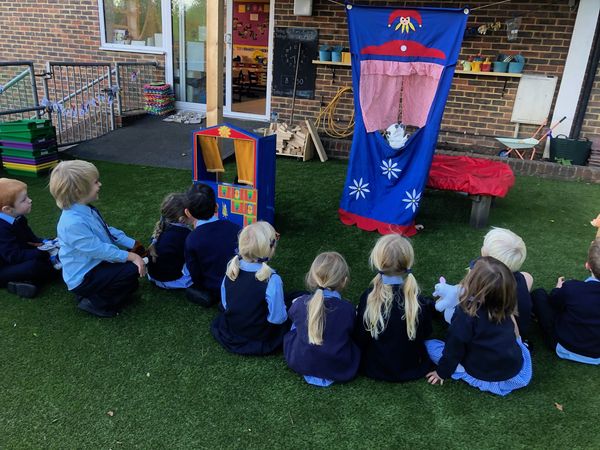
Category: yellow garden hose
[326,118]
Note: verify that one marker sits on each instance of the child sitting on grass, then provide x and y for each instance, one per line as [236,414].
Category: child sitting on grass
[508,248]
[209,247]
[570,315]
[392,321]
[23,265]
[254,312]
[319,345]
[483,347]
[166,260]
[95,269]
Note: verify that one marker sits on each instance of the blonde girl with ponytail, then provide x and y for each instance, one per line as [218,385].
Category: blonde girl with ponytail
[392,320]
[254,311]
[319,345]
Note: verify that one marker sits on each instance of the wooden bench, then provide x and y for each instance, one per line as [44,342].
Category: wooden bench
[481,179]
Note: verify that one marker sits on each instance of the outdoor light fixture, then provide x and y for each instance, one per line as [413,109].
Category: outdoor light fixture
[303,7]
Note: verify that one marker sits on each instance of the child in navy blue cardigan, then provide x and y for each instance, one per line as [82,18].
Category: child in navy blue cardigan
[319,345]
[570,315]
[254,312]
[483,347]
[23,266]
[166,262]
[209,247]
[392,321]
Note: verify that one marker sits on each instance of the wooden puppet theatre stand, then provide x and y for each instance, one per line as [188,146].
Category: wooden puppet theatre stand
[252,196]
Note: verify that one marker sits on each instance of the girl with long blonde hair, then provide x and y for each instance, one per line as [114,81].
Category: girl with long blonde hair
[254,311]
[392,320]
[319,345]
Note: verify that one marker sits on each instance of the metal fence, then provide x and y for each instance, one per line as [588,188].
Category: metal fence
[131,78]
[18,91]
[80,98]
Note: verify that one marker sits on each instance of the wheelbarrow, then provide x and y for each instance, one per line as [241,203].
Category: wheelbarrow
[520,146]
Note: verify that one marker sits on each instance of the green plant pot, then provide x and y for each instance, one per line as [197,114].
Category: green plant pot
[576,151]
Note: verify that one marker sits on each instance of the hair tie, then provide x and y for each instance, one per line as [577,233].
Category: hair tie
[408,271]
[263,260]
[321,287]
[380,272]
[237,253]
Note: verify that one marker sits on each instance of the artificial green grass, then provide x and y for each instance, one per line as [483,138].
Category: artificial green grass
[168,384]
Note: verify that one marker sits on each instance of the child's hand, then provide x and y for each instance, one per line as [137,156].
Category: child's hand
[560,282]
[434,378]
[138,261]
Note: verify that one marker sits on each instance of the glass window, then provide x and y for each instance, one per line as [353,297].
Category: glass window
[136,23]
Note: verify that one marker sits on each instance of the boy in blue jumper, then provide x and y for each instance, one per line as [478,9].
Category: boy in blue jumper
[570,315]
[209,247]
[95,268]
[23,265]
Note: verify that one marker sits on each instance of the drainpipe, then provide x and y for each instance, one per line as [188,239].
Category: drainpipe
[587,85]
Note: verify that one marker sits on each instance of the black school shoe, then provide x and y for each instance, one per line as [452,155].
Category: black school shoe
[22,289]
[86,305]
[202,298]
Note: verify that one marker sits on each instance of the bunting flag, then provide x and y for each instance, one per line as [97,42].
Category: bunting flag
[403,62]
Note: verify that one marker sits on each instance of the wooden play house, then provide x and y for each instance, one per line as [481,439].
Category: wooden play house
[252,196]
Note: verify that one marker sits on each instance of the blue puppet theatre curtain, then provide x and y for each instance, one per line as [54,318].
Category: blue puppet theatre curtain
[403,62]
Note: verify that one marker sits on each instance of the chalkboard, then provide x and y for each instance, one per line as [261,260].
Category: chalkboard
[287,41]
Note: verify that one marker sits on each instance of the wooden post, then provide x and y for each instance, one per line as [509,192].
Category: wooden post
[215,18]
[480,210]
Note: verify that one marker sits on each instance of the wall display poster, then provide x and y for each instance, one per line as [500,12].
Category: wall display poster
[251,24]
[287,41]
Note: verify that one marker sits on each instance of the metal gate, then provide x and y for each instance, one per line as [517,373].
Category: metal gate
[131,78]
[80,98]
[18,91]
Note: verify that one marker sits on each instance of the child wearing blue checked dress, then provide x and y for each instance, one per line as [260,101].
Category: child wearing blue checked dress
[254,315]
[483,347]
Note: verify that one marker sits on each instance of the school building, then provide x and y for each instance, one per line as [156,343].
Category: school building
[558,39]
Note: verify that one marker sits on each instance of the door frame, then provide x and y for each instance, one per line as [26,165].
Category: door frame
[166,6]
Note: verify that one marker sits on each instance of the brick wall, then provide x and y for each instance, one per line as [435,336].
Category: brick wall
[591,122]
[56,30]
[477,108]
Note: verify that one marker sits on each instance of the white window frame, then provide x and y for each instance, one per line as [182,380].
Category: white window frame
[132,48]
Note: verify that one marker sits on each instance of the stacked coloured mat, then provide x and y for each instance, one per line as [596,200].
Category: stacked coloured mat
[159,98]
[28,147]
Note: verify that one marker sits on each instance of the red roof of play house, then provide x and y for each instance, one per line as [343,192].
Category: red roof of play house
[227,131]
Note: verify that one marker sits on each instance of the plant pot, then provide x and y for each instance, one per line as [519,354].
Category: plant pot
[346,57]
[476,66]
[576,151]
[325,55]
[486,67]
[500,66]
[336,56]
[515,67]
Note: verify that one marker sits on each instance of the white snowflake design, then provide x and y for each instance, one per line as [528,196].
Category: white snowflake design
[389,169]
[359,189]
[412,200]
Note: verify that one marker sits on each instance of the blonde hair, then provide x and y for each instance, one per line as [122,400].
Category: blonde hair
[594,257]
[506,246]
[71,181]
[256,243]
[392,255]
[9,190]
[329,270]
[492,285]
[172,210]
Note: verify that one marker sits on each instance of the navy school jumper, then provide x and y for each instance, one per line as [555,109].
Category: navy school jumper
[170,247]
[20,261]
[208,249]
[393,356]
[338,357]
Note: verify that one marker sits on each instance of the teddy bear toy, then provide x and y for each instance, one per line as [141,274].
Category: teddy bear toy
[447,296]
